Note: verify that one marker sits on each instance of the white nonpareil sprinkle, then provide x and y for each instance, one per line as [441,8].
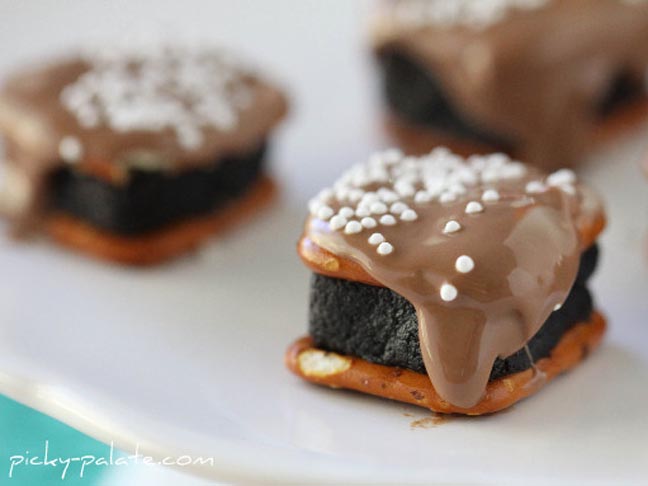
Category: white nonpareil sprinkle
[464,264]
[451,227]
[370,197]
[70,149]
[326,194]
[387,196]
[337,222]
[347,212]
[422,197]
[157,88]
[448,292]
[387,220]
[557,307]
[490,195]
[457,189]
[561,177]
[409,215]
[535,187]
[378,208]
[362,212]
[404,188]
[324,213]
[397,207]
[376,239]
[385,248]
[368,222]
[355,195]
[352,227]
[474,207]
[447,197]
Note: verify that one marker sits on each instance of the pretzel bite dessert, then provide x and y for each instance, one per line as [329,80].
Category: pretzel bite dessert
[136,155]
[541,79]
[455,284]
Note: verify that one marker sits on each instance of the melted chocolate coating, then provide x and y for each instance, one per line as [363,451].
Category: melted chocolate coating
[414,94]
[151,200]
[380,326]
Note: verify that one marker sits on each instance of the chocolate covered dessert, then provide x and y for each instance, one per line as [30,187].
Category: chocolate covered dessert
[540,79]
[136,155]
[457,284]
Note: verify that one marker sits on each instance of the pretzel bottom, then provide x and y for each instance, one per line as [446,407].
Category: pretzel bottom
[338,371]
[161,245]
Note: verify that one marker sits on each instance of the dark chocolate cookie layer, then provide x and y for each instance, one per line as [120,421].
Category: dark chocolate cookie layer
[151,200]
[413,93]
[380,326]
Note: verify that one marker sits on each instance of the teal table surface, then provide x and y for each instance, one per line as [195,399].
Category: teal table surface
[26,435]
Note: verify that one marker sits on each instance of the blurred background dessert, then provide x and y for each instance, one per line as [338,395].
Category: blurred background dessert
[544,80]
[137,153]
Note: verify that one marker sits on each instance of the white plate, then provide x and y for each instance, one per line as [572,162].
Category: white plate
[187,358]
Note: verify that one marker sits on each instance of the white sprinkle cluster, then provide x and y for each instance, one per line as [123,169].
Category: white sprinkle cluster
[563,179]
[184,90]
[387,190]
[477,14]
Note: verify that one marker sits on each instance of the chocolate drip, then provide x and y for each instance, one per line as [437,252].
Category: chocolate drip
[537,76]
